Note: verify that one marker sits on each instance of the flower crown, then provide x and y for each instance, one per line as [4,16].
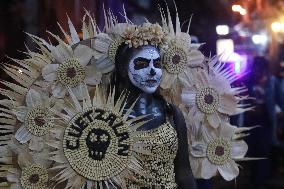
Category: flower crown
[145,34]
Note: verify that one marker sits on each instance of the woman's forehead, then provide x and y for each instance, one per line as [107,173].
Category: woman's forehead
[147,52]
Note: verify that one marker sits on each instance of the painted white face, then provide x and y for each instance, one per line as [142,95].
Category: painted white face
[144,69]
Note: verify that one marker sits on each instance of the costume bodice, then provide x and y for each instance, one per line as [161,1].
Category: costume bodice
[159,166]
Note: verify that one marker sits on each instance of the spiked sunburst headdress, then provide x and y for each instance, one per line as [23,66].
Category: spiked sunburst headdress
[49,115]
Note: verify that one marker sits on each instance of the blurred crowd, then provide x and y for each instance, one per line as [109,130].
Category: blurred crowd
[266,140]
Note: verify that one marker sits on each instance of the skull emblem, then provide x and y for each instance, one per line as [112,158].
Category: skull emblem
[98,141]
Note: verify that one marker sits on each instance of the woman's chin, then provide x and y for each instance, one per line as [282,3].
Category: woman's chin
[147,89]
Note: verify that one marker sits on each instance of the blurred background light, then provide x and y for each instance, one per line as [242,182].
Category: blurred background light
[237,67]
[239,9]
[236,8]
[277,27]
[238,62]
[259,39]
[222,29]
[243,12]
[225,48]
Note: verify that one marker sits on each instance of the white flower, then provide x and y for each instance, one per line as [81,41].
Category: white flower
[31,171]
[217,153]
[211,96]
[105,47]
[70,69]
[36,119]
[177,60]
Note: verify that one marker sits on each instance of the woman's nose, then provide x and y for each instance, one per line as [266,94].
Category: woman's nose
[152,72]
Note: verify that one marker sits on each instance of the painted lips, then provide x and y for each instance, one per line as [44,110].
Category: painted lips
[150,82]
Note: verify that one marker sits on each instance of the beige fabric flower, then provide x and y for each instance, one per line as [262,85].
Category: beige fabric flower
[31,172]
[105,48]
[177,61]
[211,96]
[71,69]
[36,119]
[217,153]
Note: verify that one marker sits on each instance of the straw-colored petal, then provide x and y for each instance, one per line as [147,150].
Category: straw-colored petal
[84,54]
[58,90]
[228,104]
[168,80]
[188,97]
[24,158]
[102,43]
[195,164]
[198,149]
[36,143]
[21,112]
[208,170]
[97,55]
[23,135]
[35,98]
[49,72]
[220,83]
[227,131]
[185,79]
[119,28]
[239,149]
[42,157]
[184,39]
[93,77]
[201,79]
[104,64]
[196,116]
[16,186]
[196,58]
[13,177]
[229,171]
[214,120]
[61,53]
[79,91]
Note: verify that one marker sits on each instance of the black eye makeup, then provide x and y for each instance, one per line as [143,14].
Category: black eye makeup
[157,63]
[140,63]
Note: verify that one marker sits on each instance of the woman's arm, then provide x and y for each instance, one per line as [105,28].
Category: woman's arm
[184,177]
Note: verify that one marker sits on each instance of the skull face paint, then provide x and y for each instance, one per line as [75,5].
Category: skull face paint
[144,69]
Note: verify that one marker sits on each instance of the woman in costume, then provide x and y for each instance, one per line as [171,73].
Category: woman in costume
[139,71]
[62,130]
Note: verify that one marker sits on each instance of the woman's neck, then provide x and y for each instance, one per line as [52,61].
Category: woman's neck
[146,104]
[136,94]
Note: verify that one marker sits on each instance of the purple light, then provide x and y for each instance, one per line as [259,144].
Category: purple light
[237,67]
[239,62]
